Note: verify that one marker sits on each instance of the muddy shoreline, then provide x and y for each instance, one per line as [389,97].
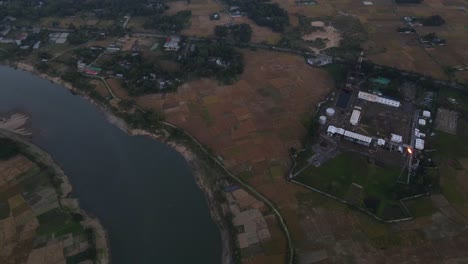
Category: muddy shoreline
[192,160]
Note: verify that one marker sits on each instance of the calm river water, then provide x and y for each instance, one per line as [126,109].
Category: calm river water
[142,191]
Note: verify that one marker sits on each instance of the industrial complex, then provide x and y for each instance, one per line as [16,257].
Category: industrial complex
[362,124]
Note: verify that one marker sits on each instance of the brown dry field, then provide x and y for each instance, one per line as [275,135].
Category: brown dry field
[253,123]
[385,46]
[117,88]
[15,239]
[100,87]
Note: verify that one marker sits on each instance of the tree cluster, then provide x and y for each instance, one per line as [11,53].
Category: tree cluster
[215,59]
[408,1]
[239,32]
[169,24]
[141,76]
[432,21]
[8,148]
[264,13]
[111,9]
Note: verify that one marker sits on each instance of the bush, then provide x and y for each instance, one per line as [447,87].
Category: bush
[8,148]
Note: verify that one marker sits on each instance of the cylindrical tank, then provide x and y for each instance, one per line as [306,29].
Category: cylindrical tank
[330,111]
[322,120]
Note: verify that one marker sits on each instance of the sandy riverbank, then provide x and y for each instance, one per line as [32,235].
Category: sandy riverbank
[192,160]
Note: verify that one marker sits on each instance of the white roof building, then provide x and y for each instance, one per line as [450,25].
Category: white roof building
[422,122]
[357,136]
[355,117]
[349,134]
[380,142]
[396,138]
[419,144]
[335,130]
[377,99]
[427,114]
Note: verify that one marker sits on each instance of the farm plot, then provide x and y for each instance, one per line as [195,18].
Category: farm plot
[253,123]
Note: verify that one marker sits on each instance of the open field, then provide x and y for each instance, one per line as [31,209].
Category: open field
[385,46]
[34,227]
[350,177]
[452,155]
[255,120]
[77,21]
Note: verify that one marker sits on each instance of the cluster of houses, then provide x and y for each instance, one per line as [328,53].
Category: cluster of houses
[427,40]
[83,67]
[6,28]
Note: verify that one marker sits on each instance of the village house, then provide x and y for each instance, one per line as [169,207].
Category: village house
[172,43]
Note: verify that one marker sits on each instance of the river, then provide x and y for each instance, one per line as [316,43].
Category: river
[142,191]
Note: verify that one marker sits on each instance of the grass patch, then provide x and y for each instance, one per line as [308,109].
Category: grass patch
[380,235]
[245,175]
[276,171]
[450,146]
[89,254]
[4,210]
[421,207]
[450,190]
[205,114]
[337,175]
[58,222]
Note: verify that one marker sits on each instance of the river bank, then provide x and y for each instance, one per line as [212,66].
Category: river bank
[194,162]
[65,200]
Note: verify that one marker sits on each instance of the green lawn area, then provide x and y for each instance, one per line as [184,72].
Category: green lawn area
[450,149]
[336,176]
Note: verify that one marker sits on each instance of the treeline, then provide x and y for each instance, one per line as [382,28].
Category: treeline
[215,60]
[264,13]
[238,33]
[431,21]
[408,1]
[8,148]
[34,9]
[169,24]
[148,119]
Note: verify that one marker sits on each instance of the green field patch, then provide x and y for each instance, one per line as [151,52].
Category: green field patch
[245,175]
[58,222]
[4,210]
[28,174]
[89,254]
[449,187]
[421,207]
[276,171]
[337,176]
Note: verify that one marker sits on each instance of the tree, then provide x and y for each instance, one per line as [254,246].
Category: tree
[221,31]
[244,33]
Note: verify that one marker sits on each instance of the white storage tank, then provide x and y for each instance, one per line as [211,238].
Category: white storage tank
[330,111]
[322,120]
